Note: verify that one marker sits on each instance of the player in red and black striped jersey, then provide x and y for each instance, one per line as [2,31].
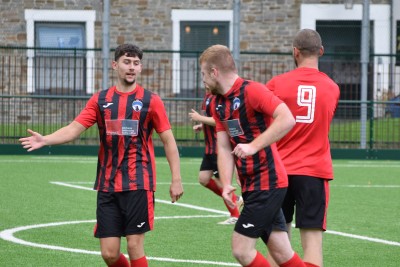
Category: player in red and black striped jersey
[249,120]
[126,115]
[208,167]
[312,98]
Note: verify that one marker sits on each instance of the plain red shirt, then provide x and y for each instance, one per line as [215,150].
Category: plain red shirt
[312,98]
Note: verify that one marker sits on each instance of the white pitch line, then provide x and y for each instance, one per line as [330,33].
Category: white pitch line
[371,239]
[376,240]
[157,200]
[367,186]
[8,235]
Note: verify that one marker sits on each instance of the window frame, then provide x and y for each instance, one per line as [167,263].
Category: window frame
[87,17]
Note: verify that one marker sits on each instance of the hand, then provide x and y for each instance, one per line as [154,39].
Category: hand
[244,150]
[32,142]
[197,128]
[176,190]
[227,192]
[194,115]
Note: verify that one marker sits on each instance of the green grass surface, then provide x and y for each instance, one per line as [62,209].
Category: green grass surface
[363,218]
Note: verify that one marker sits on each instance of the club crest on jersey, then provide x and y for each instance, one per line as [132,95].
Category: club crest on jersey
[236,103]
[137,105]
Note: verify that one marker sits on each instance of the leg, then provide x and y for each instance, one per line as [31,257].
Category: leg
[279,246]
[269,256]
[135,246]
[110,249]
[311,241]
[206,180]
[243,249]
[205,177]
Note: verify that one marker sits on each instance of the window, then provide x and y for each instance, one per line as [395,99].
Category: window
[61,70]
[196,36]
[398,43]
[341,32]
[58,62]
[193,31]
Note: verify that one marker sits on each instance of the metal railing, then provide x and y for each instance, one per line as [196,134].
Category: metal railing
[46,89]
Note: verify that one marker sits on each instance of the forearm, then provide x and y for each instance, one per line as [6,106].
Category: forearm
[281,125]
[207,120]
[172,155]
[64,135]
[225,161]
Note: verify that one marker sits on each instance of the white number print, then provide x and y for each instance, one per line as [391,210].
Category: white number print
[306,98]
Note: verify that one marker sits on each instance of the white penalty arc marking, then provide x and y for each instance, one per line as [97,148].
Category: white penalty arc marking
[371,239]
[8,235]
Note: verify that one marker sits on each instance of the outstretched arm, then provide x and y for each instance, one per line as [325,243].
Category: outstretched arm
[61,136]
[172,154]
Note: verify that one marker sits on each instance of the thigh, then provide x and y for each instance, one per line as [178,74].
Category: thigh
[262,210]
[138,211]
[312,198]
[209,163]
[108,215]
[289,202]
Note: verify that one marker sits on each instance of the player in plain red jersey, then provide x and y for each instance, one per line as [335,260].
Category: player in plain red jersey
[249,120]
[126,115]
[312,98]
[208,167]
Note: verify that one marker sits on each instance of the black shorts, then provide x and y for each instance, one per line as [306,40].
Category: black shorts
[309,197]
[209,163]
[124,213]
[261,214]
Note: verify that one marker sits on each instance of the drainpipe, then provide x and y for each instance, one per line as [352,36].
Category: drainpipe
[364,72]
[106,41]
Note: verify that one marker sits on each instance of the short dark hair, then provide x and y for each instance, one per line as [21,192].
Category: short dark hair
[129,50]
[308,41]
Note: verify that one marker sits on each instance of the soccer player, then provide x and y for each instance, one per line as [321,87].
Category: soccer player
[312,97]
[126,115]
[208,167]
[249,120]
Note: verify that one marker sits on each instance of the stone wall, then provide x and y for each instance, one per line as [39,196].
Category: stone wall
[266,26]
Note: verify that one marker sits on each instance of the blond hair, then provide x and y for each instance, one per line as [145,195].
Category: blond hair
[218,56]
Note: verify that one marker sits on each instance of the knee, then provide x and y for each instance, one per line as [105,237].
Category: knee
[109,256]
[238,254]
[203,180]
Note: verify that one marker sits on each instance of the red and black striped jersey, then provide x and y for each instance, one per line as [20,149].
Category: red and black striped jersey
[126,122]
[245,112]
[312,97]
[210,135]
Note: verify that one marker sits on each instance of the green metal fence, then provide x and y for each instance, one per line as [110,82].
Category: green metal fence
[46,90]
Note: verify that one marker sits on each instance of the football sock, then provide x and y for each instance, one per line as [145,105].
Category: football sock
[259,261]
[212,185]
[121,262]
[295,261]
[235,211]
[310,264]
[141,262]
